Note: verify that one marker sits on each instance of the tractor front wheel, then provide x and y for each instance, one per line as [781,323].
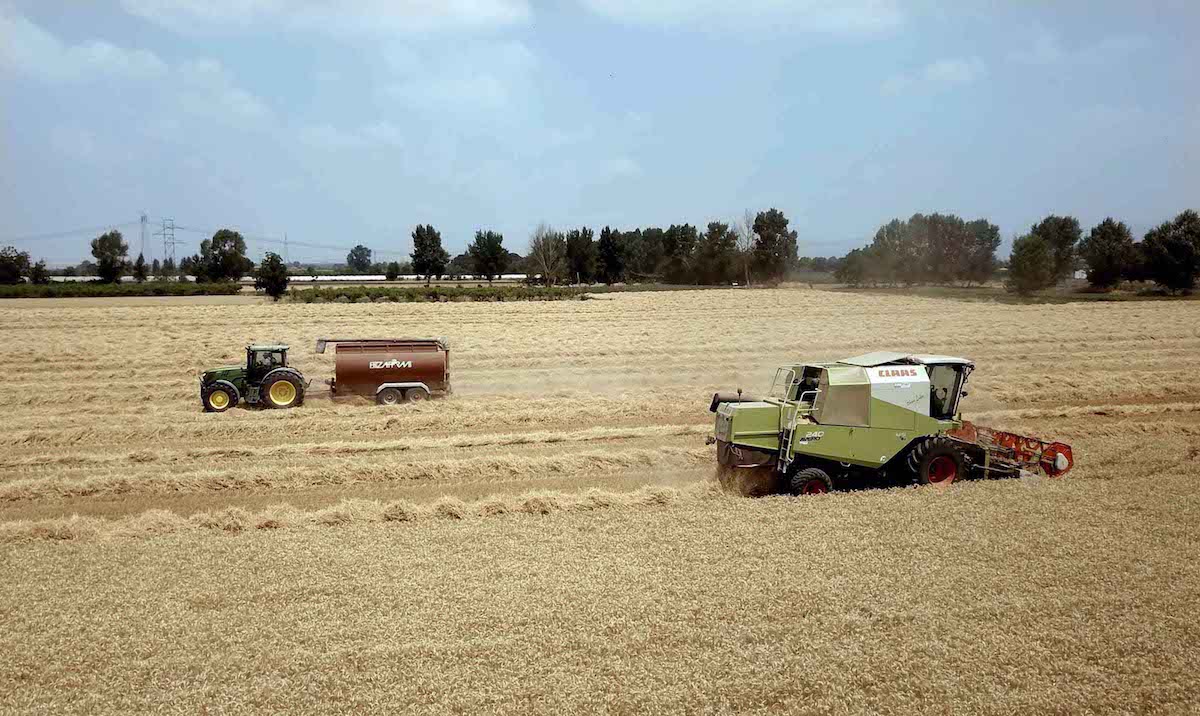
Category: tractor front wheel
[937,461]
[811,481]
[219,396]
[283,390]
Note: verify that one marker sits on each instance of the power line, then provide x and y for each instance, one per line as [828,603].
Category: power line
[253,238]
[167,230]
[67,232]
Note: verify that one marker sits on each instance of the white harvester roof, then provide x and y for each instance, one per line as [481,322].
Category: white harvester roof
[869,360]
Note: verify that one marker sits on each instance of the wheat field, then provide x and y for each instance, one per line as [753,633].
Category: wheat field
[549,539]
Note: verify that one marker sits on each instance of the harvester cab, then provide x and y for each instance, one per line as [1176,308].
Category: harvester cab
[266,379]
[881,414]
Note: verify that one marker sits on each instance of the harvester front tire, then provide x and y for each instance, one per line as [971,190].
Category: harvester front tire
[220,396]
[282,390]
[811,481]
[937,461]
[389,396]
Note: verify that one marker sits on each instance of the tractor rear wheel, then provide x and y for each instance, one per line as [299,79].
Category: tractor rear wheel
[811,481]
[219,396]
[389,396]
[937,461]
[282,390]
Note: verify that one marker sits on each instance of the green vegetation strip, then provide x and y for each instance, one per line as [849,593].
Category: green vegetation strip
[357,294]
[95,290]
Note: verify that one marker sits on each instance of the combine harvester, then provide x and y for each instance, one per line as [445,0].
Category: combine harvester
[889,417]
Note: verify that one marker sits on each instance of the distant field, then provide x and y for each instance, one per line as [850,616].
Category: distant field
[548,539]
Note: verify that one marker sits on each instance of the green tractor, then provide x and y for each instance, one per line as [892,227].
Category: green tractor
[265,379]
[880,416]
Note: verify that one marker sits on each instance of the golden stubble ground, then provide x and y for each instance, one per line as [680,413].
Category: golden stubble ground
[547,539]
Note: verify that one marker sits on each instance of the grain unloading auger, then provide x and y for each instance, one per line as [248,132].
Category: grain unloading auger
[882,415]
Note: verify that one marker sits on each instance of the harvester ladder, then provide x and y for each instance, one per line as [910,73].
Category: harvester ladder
[787,418]
[789,415]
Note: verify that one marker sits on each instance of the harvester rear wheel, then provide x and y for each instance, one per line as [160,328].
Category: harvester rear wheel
[282,390]
[937,461]
[220,396]
[811,481]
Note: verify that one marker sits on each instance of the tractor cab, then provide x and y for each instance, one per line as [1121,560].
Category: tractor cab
[262,359]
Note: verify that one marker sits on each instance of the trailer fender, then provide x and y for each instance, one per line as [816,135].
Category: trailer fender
[404,386]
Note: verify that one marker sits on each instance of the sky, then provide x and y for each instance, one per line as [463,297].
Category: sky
[346,123]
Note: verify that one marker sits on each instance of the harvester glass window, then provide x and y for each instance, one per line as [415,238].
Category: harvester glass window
[783,386]
[945,382]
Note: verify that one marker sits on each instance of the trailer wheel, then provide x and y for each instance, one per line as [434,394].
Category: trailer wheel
[811,481]
[219,396]
[282,390]
[937,461]
[389,396]
[415,395]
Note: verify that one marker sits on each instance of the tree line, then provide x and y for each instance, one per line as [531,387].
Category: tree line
[763,249]
[1168,255]
[945,249]
[925,248]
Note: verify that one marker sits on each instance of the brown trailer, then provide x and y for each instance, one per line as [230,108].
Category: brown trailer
[392,370]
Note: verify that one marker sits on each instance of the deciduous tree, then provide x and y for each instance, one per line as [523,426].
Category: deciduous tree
[1107,250]
[272,276]
[1061,234]
[139,269]
[775,249]
[13,265]
[1031,265]
[610,256]
[581,255]
[1172,252]
[428,257]
[38,274]
[488,255]
[547,254]
[359,259]
[223,258]
[110,251]
[717,255]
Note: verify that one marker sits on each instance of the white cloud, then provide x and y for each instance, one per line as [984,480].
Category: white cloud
[28,49]
[375,135]
[384,17]
[619,167]
[937,75]
[488,76]
[1045,48]
[207,89]
[822,16]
